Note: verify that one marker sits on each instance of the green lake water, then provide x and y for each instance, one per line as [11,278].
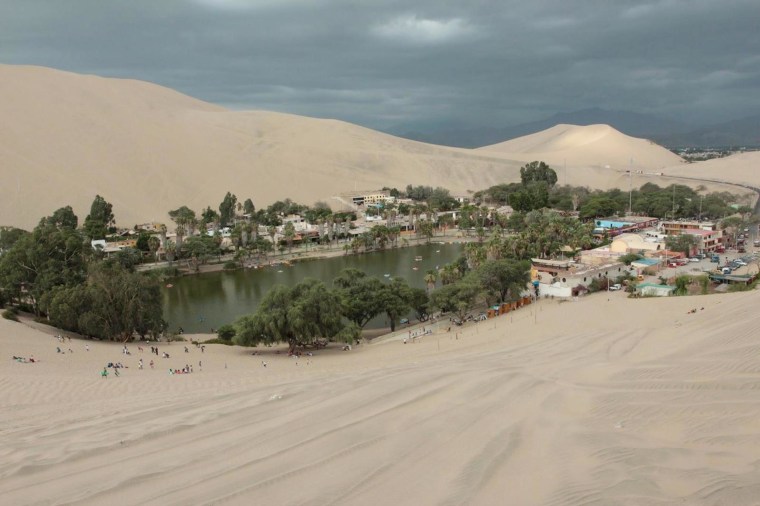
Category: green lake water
[201,302]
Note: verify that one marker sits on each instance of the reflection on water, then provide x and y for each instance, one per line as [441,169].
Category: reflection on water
[201,302]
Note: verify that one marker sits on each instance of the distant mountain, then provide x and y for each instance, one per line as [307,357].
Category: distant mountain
[740,132]
[630,123]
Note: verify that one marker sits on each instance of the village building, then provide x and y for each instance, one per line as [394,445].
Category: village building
[654,290]
[369,197]
[565,278]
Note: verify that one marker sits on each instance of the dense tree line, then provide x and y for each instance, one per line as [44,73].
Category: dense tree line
[54,272]
[311,311]
[532,192]
[537,189]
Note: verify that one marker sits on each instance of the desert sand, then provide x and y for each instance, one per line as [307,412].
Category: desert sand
[587,146]
[147,149]
[606,400]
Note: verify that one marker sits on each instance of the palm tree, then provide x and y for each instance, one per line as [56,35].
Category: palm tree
[272,231]
[430,278]
[494,244]
[162,231]
[475,254]
[153,244]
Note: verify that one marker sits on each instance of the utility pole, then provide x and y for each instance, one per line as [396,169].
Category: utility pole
[630,187]
[701,199]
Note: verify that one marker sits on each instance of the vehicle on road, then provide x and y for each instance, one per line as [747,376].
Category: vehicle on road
[694,259]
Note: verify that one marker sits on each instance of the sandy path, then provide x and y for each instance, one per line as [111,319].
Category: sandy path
[592,402]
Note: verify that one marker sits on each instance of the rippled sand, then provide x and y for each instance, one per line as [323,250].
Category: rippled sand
[592,402]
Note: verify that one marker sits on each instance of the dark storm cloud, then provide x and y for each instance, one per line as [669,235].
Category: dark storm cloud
[485,62]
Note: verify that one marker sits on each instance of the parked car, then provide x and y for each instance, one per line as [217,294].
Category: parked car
[741,262]
[615,287]
[694,259]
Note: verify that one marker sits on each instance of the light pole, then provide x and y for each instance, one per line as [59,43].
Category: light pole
[701,199]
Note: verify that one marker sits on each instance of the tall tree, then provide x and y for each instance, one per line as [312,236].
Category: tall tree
[63,217]
[538,172]
[396,300]
[360,295]
[97,223]
[503,279]
[289,232]
[114,303]
[41,260]
[298,316]
[248,207]
[227,209]
[184,219]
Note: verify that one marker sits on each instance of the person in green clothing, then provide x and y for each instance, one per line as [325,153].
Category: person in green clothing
[104,373]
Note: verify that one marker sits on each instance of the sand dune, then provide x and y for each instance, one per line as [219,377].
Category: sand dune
[67,137]
[742,168]
[147,149]
[587,146]
[534,408]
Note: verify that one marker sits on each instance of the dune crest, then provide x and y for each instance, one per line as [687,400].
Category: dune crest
[147,149]
[592,145]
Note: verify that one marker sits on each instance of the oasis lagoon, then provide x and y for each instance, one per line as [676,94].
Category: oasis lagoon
[202,302]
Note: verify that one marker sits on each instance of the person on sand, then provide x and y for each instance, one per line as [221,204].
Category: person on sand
[116,371]
[87,347]
[151,364]
[104,373]
[140,364]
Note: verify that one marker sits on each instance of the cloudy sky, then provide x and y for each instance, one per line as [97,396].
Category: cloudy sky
[400,63]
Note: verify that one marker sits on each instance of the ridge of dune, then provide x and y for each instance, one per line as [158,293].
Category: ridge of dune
[587,146]
[740,168]
[147,149]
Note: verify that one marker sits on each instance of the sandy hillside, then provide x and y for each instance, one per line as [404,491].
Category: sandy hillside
[551,405]
[66,137]
[743,168]
[598,156]
[587,146]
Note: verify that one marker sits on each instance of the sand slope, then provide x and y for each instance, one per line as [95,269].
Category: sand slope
[65,138]
[743,168]
[551,405]
[593,145]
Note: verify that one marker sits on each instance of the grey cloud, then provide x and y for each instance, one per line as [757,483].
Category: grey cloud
[488,62]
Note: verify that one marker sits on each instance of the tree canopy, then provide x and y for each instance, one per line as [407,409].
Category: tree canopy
[538,172]
[100,219]
[298,316]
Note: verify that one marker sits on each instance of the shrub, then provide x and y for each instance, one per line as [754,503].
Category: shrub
[230,266]
[630,257]
[704,282]
[226,332]
[216,340]
[598,284]
[175,338]
[11,314]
